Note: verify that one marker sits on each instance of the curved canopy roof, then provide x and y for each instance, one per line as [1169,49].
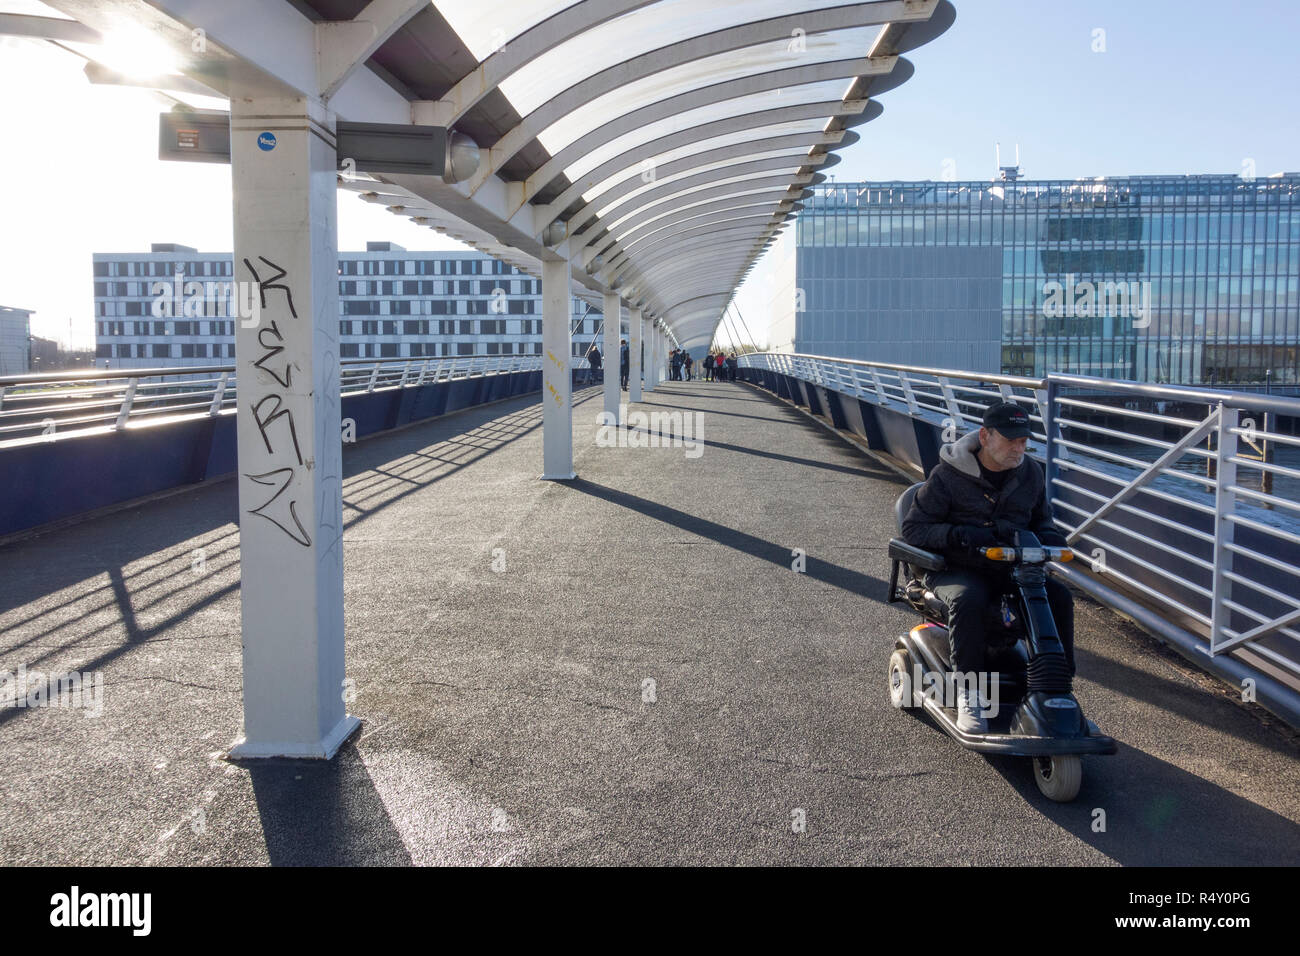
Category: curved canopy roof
[659,145]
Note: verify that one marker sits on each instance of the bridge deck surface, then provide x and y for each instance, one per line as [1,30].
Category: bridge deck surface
[504,711]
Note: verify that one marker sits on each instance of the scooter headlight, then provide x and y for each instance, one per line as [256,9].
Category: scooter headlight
[1033,555]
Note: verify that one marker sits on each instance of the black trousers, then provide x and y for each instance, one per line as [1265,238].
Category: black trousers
[968,595]
[622,376]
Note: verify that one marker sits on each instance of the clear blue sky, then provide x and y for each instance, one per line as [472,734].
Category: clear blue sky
[1184,86]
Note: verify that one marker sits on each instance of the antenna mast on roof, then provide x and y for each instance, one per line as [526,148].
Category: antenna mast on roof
[1008,174]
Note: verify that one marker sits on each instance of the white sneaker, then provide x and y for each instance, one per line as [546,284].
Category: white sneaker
[970,711]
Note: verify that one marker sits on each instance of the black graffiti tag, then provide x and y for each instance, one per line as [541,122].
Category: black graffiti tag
[285,512]
[271,283]
[273,350]
[277,411]
[269,409]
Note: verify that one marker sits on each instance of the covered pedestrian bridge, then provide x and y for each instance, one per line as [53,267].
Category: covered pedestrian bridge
[671,649]
[639,154]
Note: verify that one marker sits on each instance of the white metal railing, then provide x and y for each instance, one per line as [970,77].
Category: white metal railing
[950,398]
[1222,466]
[1188,497]
[63,404]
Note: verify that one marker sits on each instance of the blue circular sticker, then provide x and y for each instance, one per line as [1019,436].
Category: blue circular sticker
[266,141]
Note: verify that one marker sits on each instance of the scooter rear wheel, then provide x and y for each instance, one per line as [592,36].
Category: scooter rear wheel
[1059,777]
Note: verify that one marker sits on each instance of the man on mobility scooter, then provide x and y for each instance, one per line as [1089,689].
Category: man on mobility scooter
[983,490]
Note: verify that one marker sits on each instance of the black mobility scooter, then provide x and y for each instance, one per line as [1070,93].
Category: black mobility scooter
[1037,715]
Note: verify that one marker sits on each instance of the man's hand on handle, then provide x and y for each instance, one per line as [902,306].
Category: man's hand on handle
[970,538]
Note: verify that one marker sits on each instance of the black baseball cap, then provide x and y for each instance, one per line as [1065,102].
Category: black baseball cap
[1009,419]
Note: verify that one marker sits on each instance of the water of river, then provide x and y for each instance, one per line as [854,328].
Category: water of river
[1284,486]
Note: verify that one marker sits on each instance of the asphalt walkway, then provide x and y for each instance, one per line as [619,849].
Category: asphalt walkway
[642,678]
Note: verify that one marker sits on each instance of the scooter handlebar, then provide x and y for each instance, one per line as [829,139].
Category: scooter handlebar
[1039,555]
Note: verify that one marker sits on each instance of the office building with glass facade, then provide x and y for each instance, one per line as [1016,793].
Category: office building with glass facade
[392,304]
[1183,279]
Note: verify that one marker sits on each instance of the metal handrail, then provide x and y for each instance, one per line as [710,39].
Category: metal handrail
[89,374]
[943,396]
[996,378]
[128,398]
[1246,401]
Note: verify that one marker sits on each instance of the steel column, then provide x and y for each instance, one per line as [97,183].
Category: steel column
[557,380]
[613,309]
[652,357]
[1225,506]
[635,335]
[288,429]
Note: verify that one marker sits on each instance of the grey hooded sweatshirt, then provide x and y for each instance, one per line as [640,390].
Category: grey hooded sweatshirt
[956,495]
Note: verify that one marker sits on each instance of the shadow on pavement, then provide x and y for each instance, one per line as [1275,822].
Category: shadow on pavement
[317,813]
[1157,814]
[856,582]
[1184,699]
[864,472]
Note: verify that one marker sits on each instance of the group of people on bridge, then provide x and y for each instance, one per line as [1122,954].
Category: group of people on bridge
[715,367]
[720,366]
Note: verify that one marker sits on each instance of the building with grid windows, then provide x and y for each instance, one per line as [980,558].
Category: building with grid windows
[1183,279]
[392,304]
[15,340]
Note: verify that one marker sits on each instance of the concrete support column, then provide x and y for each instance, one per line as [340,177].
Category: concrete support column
[636,326]
[652,358]
[557,376]
[661,359]
[613,309]
[288,430]
[653,375]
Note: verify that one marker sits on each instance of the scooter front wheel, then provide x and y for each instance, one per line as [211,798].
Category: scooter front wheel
[901,692]
[1059,777]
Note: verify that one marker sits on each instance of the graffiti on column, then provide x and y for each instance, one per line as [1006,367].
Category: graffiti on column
[272,282]
[560,365]
[277,412]
[271,352]
[286,512]
[330,487]
[274,420]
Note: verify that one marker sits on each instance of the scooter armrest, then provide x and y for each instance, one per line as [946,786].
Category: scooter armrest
[900,550]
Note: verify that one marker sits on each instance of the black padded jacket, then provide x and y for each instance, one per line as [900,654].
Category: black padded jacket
[955,495]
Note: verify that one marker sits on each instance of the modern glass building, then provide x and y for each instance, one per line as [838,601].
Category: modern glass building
[1154,278]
